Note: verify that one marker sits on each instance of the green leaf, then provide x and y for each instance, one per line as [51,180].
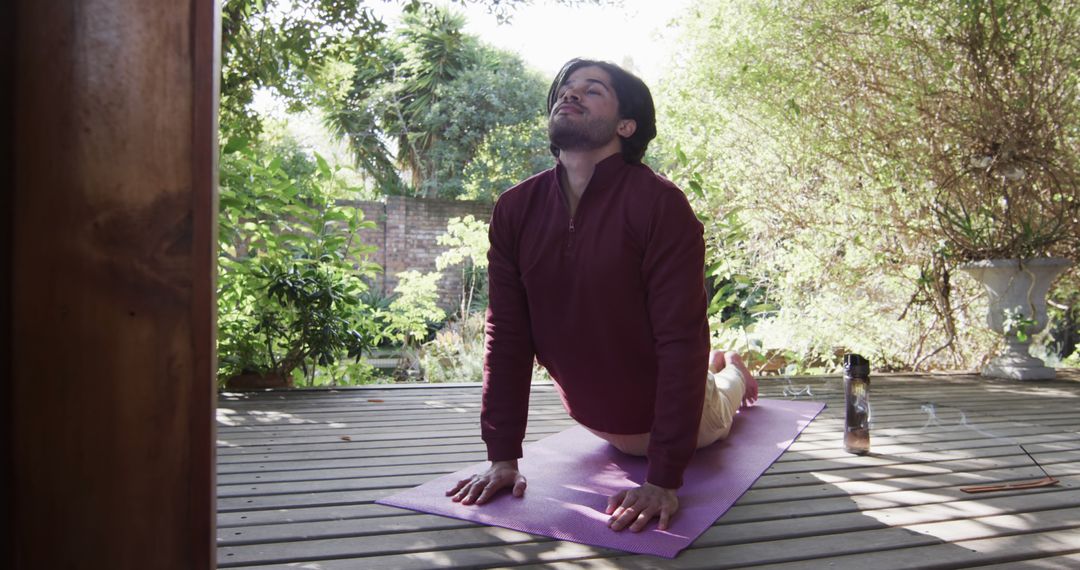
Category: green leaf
[336,216]
[794,107]
[733,322]
[696,187]
[235,144]
[324,167]
[761,308]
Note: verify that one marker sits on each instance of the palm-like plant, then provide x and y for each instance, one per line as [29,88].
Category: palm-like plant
[356,118]
[436,52]
[391,95]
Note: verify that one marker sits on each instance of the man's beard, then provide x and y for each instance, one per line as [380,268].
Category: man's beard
[581,135]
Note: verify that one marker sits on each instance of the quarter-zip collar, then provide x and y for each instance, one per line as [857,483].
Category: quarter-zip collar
[604,173]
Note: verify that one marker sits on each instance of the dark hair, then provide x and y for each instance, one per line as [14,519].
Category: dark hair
[635,102]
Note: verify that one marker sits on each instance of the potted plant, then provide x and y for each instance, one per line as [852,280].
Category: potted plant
[1003,158]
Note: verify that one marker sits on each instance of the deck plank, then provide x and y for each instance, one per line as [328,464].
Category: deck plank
[299,473]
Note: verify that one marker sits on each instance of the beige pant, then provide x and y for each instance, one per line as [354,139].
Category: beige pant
[723,396]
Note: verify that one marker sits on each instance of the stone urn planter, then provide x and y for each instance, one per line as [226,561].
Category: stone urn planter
[1018,287]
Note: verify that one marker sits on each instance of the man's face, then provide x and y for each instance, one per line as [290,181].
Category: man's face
[586,113]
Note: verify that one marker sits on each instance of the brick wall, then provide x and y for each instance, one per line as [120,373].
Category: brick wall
[405,234]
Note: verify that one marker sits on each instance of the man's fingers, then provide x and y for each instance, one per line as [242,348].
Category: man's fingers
[519,486]
[624,508]
[482,487]
[665,519]
[489,491]
[620,504]
[614,501]
[458,487]
[479,490]
[642,520]
[625,513]
[638,507]
[475,490]
[627,517]
[463,493]
[615,516]
[462,490]
[621,518]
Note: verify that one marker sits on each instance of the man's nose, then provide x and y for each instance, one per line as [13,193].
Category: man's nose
[571,95]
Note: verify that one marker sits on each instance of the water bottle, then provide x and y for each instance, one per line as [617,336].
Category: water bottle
[856,404]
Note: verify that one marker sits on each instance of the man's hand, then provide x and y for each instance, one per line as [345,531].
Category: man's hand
[481,488]
[636,507]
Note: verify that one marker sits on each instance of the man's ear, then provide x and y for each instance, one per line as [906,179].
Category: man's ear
[626,128]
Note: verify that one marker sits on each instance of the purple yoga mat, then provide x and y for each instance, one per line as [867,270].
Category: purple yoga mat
[571,475]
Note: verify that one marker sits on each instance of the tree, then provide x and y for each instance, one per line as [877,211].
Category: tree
[505,156]
[356,115]
[435,52]
[494,101]
[435,92]
[282,45]
[291,270]
[820,120]
[287,46]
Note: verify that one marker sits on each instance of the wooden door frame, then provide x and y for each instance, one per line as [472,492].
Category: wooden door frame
[206,61]
[195,488]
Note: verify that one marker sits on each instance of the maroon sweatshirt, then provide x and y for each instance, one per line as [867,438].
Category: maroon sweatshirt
[612,303]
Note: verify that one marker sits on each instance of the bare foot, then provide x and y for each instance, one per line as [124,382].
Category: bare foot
[751,393]
[718,360]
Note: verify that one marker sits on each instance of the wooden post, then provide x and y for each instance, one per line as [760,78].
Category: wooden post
[112,223]
[7,216]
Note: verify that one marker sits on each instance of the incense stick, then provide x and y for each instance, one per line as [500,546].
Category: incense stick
[1033,460]
[1044,482]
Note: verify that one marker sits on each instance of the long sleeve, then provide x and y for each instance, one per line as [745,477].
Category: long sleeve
[509,353]
[673,271]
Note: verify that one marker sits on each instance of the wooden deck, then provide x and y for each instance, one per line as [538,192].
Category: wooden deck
[299,473]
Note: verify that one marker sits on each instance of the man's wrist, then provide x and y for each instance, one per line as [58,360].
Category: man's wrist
[505,463]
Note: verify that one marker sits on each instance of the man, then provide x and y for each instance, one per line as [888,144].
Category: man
[596,271]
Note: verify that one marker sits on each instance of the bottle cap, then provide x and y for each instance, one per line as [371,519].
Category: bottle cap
[855,366]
